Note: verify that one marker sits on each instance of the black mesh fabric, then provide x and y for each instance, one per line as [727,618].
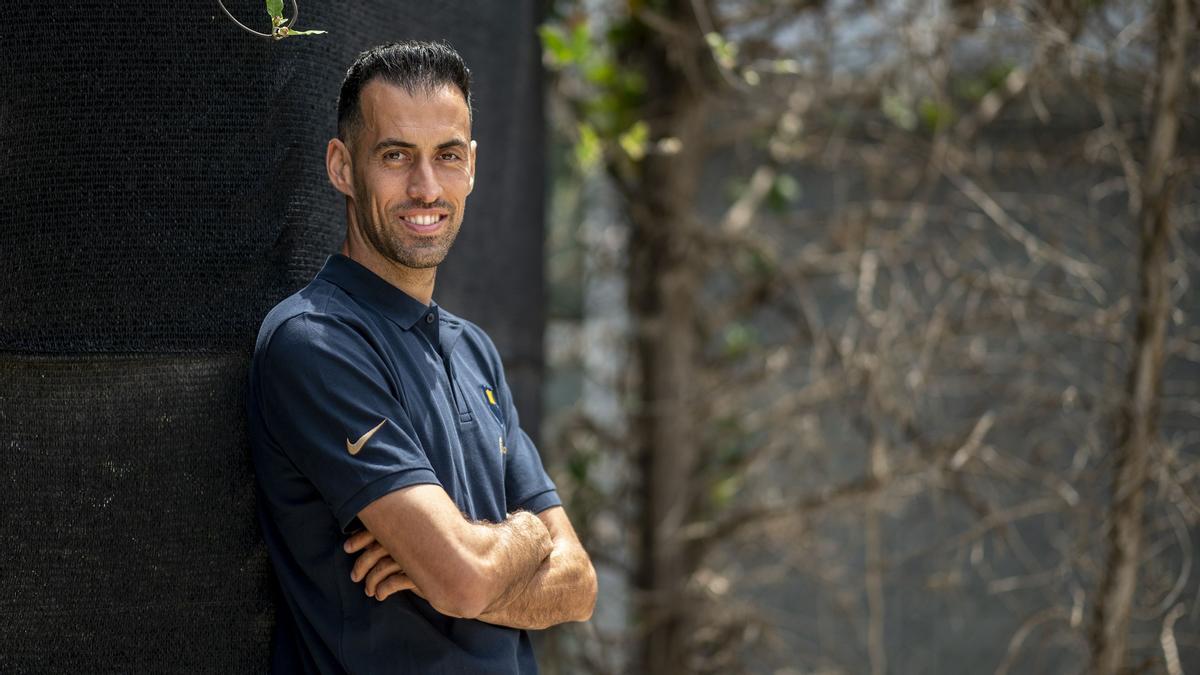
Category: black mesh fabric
[162,182]
[163,171]
[128,541]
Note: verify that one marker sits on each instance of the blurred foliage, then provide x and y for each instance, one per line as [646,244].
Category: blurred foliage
[910,237]
[974,86]
[605,94]
[784,193]
[738,340]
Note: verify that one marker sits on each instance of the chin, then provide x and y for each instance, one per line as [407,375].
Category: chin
[419,260]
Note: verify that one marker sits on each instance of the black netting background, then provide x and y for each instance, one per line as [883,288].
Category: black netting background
[162,172]
[127,544]
[162,185]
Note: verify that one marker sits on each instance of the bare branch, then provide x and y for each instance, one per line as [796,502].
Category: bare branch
[1167,640]
[1036,248]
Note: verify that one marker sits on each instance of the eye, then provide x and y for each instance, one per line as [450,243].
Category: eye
[394,156]
[449,156]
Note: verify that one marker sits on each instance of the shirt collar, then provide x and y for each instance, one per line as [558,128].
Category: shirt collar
[403,309]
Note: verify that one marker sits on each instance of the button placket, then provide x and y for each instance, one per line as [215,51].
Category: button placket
[461,405]
[461,408]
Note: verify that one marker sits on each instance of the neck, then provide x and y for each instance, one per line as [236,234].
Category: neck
[416,283]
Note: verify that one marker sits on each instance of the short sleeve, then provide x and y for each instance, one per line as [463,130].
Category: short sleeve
[527,486]
[327,401]
[526,483]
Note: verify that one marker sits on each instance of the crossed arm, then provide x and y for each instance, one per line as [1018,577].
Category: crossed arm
[525,572]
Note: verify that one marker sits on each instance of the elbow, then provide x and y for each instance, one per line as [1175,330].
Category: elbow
[590,589]
[473,600]
[464,594]
[465,597]
[460,603]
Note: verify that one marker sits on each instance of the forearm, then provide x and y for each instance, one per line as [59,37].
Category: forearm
[562,589]
[510,555]
[461,567]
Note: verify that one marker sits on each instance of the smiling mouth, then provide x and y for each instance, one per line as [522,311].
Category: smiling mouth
[424,219]
[424,222]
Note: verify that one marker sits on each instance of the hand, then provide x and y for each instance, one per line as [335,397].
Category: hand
[382,574]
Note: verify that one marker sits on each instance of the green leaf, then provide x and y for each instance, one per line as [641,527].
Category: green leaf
[897,107]
[275,8]
[600,72]
[554,42]
[784,192]
[997,73]
[633,141]
[723,50]
[581,41]
[305,32]
[587,148]
[739,339]
[975,86]
[934,115]
[725,489]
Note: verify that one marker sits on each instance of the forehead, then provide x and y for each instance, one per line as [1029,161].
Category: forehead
[391,111]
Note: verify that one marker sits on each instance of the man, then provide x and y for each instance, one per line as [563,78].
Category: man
[409,519]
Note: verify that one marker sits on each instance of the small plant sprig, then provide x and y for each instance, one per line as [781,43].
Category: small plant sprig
[280,27]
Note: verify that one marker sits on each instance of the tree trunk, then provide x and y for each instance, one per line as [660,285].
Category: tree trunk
[662,285]
[1139,420]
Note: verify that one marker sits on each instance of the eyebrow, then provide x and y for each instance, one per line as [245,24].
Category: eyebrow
[397,143]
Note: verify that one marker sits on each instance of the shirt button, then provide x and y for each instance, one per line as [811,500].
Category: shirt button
[429,318]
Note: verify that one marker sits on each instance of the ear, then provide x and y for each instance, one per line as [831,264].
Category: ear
[471,183]
[339,167]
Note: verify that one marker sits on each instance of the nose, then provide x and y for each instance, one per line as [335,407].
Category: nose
[423,185]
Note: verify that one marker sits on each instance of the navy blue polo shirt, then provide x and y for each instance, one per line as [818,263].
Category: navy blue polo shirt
[351,357]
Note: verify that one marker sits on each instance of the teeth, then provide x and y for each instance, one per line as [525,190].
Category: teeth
[423,219]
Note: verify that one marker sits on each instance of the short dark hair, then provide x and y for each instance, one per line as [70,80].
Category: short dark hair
[412,65]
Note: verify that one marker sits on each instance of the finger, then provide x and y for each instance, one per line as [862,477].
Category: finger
[366,560]
[358,541]
[394,584]
[379,572]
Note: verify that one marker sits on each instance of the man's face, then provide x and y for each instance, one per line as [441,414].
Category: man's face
[413,167]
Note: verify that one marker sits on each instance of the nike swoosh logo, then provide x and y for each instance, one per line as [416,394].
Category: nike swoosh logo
[354,447]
